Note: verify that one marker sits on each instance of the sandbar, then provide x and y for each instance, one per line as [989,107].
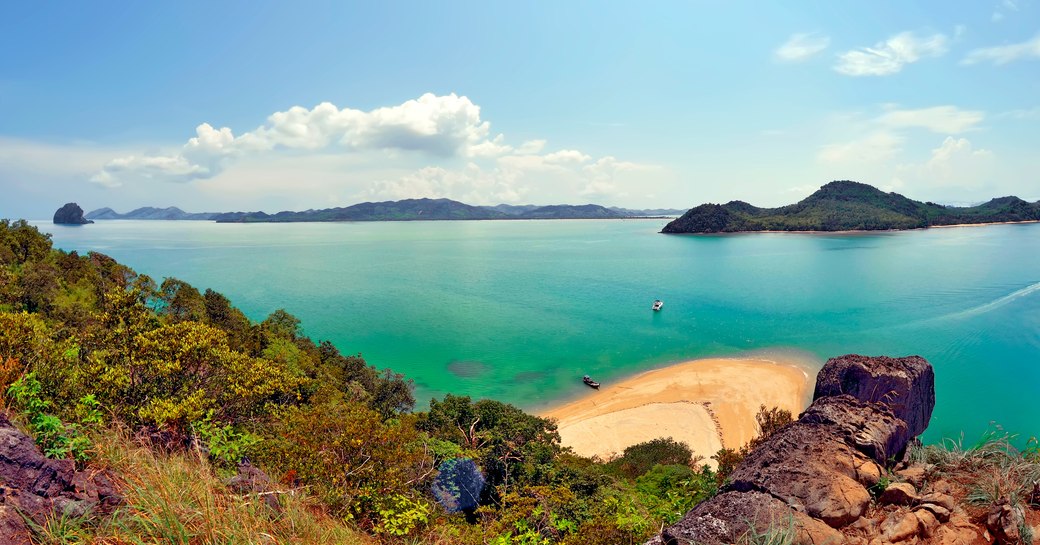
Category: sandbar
[708,404]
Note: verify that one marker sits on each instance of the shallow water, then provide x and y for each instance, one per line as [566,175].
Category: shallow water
[520,310]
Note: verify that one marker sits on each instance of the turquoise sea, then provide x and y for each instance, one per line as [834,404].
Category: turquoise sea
[519,310]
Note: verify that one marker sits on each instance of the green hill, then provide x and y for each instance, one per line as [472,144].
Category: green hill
[404,210]
[847,206]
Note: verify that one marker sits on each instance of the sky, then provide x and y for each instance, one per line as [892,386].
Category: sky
[228,106]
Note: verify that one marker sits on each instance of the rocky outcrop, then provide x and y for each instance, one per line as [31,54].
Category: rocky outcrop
[251,480]
[816,474]
[39,488]
[904,385]
[70,214]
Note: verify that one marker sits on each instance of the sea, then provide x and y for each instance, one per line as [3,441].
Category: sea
[519,310]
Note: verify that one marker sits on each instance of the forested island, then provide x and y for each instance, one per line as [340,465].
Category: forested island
[848,206]
[403,210]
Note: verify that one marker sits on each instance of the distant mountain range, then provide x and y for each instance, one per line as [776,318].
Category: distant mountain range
[149,213]
[848,206]
[404,210]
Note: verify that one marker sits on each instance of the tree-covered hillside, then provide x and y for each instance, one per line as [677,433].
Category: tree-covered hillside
[847,206]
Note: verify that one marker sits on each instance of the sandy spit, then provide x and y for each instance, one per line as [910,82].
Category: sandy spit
[708,404]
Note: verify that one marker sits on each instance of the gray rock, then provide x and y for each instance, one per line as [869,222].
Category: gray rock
[70,214]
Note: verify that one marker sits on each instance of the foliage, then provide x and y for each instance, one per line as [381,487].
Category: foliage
[55,438]
[769,421]
[638,459]
[511,446]
[358,464]
[175,498]
[225,443]
[670,491]
[777,533]
[992,468]
[86,343]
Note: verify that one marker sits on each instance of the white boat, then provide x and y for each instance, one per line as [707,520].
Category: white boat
[657,304]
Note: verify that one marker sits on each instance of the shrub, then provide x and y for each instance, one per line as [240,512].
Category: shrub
[358,464]
[638,459]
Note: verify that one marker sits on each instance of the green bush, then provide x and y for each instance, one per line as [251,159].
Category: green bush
[638,459]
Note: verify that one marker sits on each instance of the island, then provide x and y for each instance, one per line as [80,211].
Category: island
[70,214]
[848,206]
[403,210]
[150,213]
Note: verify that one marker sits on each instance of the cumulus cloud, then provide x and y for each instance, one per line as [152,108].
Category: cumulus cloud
[444,126]
[881,137]
[802,46]
[955,163]
[940,119]
[1004,54]
[890,56]
[875,147]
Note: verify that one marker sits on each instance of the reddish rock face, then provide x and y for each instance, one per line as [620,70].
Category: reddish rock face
[39,487]
[905,385]
[816,472]
[811,469]
[870,428]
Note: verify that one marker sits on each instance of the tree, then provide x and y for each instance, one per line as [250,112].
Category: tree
[181,302]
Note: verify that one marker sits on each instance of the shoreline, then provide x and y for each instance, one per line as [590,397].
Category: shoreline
[856,231]
[707,403]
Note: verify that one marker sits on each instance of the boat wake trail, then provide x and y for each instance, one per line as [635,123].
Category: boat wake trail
[997,303]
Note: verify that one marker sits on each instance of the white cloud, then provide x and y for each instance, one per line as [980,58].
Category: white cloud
[445,126]
[876,147]
[530,146]
[890,56]
[996,17]
[434,146]
[802,46]
[1023,114]
[940,119]
[519,178]
[955,163]
[1004,54]
[566,156]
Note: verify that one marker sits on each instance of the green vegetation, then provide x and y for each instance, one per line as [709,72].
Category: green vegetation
[171,387]
[847,206]
[404,210]
[989,473]
[413,209]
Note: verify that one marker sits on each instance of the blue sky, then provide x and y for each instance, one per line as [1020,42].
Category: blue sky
[311,105]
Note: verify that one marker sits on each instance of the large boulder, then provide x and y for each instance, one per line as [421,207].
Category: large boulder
[41,488]
[814,475]
[813,470]
[729,516]
[905,385]
[870,428]
[70,214]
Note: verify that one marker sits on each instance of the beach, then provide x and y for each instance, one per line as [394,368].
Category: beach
[708,404]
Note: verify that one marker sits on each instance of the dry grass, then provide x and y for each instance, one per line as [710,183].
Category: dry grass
[176,499]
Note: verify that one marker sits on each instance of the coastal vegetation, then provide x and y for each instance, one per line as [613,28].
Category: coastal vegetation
[848,206]
[218,429]
[171,388]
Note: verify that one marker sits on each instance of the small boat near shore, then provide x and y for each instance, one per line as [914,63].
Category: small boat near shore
[589,382]
[657,305]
